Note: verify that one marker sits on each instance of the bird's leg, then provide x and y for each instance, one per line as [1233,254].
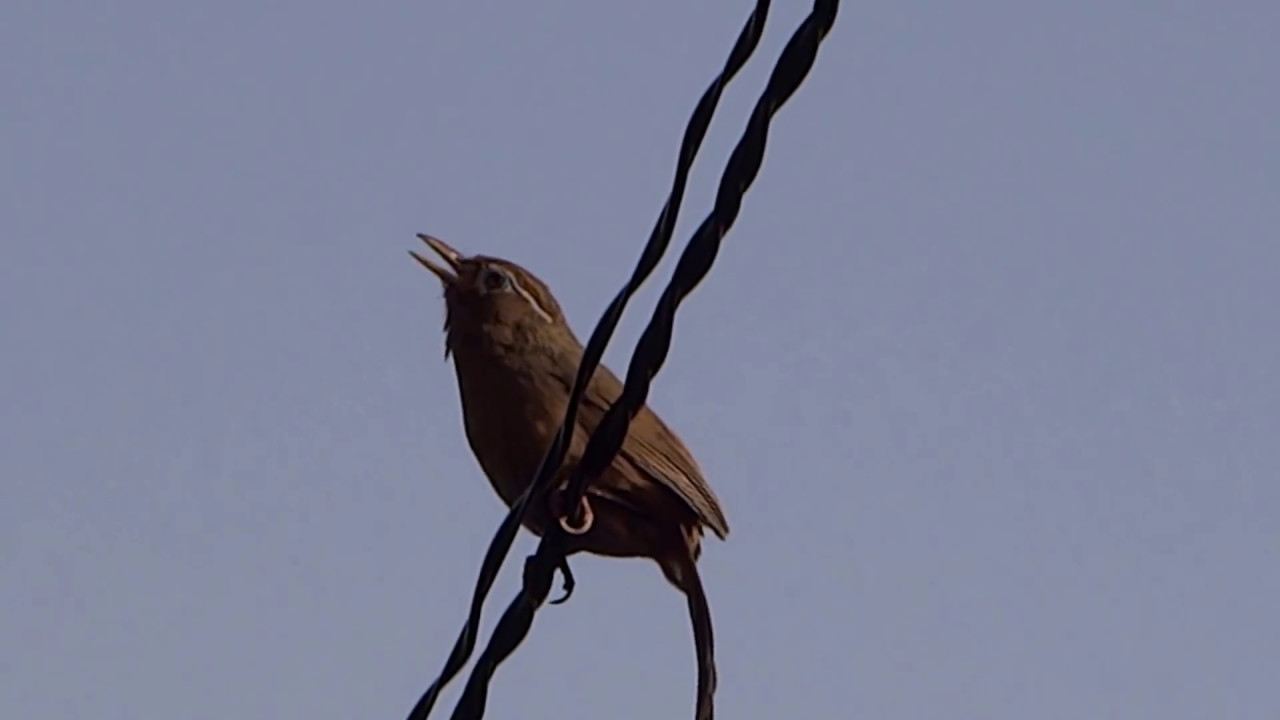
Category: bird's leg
[555,502]
[682,571]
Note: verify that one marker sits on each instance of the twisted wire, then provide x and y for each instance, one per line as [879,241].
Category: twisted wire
[744,163]
[659,239]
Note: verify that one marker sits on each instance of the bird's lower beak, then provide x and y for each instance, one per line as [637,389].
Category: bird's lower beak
[451,257]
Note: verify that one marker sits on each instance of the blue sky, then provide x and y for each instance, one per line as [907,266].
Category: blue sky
[985,375]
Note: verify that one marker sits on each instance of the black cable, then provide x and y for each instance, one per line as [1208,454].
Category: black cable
[740,172]
[659,239]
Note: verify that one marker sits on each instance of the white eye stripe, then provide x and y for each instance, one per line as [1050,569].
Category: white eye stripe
[527,296]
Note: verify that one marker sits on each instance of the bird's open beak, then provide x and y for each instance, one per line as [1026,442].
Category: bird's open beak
[451,257]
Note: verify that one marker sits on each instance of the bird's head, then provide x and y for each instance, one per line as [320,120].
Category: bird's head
[491,297]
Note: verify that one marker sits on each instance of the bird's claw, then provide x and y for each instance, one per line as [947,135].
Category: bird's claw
[569,582]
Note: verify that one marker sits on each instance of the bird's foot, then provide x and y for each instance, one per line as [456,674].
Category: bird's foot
[569,582]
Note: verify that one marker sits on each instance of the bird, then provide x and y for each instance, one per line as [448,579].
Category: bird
[516,359]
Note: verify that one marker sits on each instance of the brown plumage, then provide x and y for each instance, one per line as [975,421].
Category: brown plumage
[516,358]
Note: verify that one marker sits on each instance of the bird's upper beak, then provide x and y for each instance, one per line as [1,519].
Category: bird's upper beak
[451,257]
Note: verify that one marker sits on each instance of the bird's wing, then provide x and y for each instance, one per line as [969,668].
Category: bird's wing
[655,450]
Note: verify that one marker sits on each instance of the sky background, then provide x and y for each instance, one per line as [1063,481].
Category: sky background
[987,374]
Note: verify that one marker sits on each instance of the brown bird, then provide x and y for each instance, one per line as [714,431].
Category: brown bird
[516,359]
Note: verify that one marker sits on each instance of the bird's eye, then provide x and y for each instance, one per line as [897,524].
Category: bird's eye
[494,280]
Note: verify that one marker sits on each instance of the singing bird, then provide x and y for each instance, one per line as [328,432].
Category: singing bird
[516,359]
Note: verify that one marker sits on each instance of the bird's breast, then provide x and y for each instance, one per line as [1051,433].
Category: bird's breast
[511,411]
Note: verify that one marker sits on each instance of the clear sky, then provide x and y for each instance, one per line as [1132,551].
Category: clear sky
[987,375]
